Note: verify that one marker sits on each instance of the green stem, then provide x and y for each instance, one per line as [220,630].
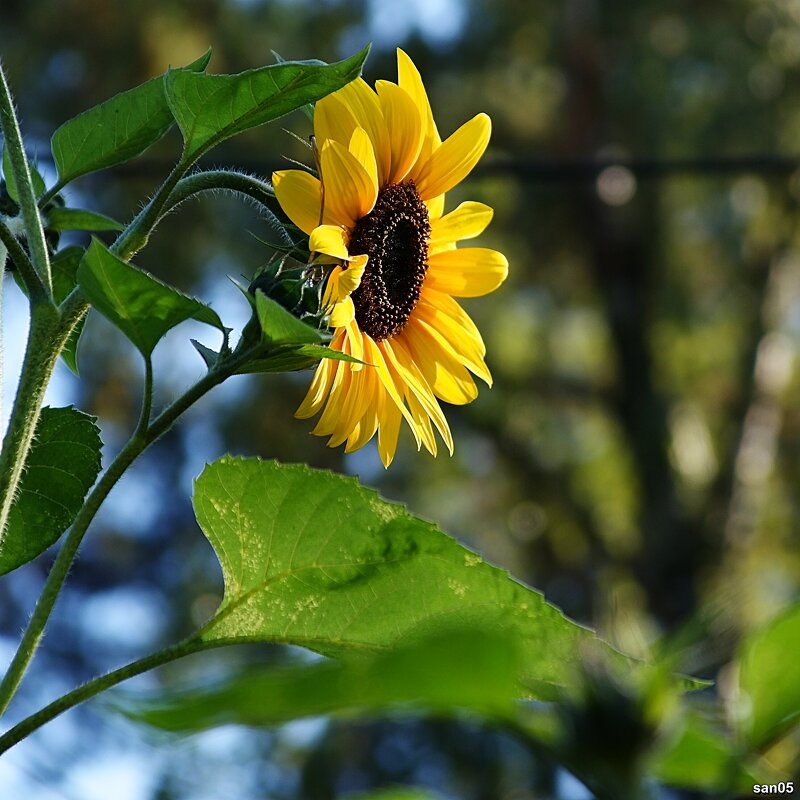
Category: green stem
[214,179]
[138,231]
[50,194]
[46,337]
[95,686]
[22,177]
[144,436]
[19,258]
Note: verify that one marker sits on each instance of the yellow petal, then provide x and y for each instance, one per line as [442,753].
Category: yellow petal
[329,421]
[465,222]
[329,239]
[435,207]
[356,344]
[376,354]
[349,192]
[409,79]
[364,105]
[447,306]
[466,346]
[410,374]
[342,313]
[361,147]
[333,119]
[467,272]
[443,371]
[454,160]
[365,428]
[422,422]
[318,391]
[300,196]
[388,430]
[404,123]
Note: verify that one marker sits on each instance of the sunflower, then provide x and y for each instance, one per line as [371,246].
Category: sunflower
[377,211]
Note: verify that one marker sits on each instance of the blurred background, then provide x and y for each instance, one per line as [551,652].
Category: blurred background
[637,458]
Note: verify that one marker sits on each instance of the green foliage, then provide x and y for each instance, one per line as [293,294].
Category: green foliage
[212,108]
[702,756]
[455,669]
[62,465]
[315,559]
[141,306]
[280,327]
[11,183]
[65,278]
[769,689]
[77,219]
[117,130]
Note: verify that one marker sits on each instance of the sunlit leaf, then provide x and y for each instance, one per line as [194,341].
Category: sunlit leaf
[456,669]
[77,219]
[118,129]
[212,108]
[291,358]
[141,306]
[316,559]
[769,686]
[62,465]
[281,327]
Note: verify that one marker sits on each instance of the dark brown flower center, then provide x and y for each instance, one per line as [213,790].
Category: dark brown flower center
[395,236]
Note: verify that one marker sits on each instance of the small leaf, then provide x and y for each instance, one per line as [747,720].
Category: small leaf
[65,278]
[141,306]
[291,359]
[62,466]
[208,355]
[76,219]
[456,669]
[315,559]
[11,183]
[117,130]
[212,108]
[769,687]
[280,326]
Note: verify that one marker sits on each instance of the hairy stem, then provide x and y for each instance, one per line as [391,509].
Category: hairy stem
[19,258]
[138,231]
[46,337]
[22,176]
[94,687]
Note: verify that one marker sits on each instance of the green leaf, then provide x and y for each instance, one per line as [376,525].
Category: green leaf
[11,183]
[456,669]
[65,278]
[769,687]
[394,793]
[76,219]
[117,130]
[315,559]
[212,108]
[700,756]
[141,306]
[292,358]
[63,464]
[279,326]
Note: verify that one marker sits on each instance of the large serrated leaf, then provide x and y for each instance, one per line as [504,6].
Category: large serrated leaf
[62,466]
[141,306]
[456,669]
[212,108]
[117,130]
[315,559]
